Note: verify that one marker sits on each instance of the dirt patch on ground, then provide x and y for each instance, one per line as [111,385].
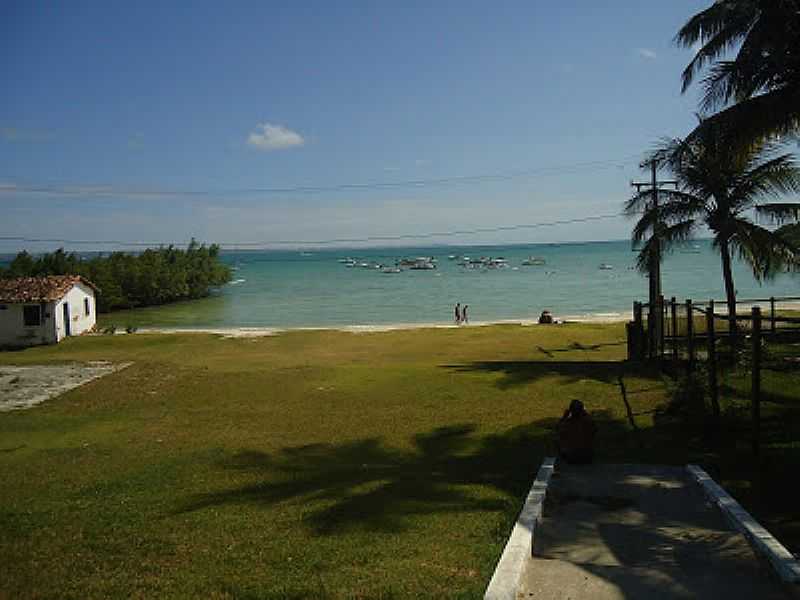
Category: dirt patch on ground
[25,387]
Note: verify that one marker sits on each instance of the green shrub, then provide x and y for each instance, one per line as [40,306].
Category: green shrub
[689,395]
[126,280]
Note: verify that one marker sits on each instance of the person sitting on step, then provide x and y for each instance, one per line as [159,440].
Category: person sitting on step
[576,431]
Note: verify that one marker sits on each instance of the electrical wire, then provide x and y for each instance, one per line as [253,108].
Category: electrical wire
[372,238]
[95,190]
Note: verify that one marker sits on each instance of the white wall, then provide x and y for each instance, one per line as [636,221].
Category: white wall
[79,321]
[14,333]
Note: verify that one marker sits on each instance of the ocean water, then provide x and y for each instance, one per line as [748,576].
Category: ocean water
[313,289]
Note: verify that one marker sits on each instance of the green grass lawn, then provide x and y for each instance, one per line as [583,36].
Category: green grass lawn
[324,464]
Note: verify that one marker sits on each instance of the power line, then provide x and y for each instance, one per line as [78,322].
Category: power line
[94,190]
[374,238]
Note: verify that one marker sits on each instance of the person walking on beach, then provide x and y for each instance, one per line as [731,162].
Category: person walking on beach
[464,317]
[458,313]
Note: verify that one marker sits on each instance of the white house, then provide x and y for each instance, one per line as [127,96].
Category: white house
[44,310]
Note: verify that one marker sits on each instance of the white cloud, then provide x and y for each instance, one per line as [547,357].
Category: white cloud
[268,136]
[646,53]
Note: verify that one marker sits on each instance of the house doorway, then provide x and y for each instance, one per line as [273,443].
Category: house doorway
[66,319]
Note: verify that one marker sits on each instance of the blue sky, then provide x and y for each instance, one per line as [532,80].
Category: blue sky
[124,107]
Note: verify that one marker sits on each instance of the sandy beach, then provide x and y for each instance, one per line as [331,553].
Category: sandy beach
[250,332]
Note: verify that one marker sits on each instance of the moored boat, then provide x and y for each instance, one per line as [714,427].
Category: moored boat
[533,261]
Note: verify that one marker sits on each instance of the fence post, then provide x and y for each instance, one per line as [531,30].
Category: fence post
[660,305]
[756,379]
[712,360]
[638,317]
[712,307]
[652,347]
[637,313]
[690,334]
[772,313]
[636,334]
[674,311]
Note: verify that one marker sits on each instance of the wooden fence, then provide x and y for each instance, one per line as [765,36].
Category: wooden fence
[666,331]
[683,334]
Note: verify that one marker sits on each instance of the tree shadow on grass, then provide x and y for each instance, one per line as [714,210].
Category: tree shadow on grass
[365,484]
[578,346]
[521,372]
[730,391]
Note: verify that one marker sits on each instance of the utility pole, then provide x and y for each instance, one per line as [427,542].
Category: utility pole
[654,316]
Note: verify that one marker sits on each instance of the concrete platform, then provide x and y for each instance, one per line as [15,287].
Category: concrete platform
[638,531]
[25,387]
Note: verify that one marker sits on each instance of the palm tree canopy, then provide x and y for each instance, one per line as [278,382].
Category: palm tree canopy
[722,187]
[759,89]
[791,232]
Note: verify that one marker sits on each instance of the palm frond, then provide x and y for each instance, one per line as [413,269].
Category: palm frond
[779,212]
[720,85]
[646,256]
[680,204]
[773,178]
[643,227]
[719,28]
[765,251]
[674,207]
[638,203]
[678,233]
[669,236]
[754,120]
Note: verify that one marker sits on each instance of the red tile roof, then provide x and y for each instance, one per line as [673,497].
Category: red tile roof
[39,289]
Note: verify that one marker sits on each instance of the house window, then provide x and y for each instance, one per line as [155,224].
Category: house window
[86,306]
[32,315]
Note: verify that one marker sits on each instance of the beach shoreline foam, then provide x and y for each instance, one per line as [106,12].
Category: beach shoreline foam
[251,332]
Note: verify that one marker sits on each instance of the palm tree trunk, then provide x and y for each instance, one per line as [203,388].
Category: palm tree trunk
[730,290]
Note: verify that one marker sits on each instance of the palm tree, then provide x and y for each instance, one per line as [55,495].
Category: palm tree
[722,188]
[759,90]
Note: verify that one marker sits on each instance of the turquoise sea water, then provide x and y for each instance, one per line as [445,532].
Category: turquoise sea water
[313,289]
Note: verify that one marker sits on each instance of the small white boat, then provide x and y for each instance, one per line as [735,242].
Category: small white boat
[391,270]
[452,257]
[422,266]
[533,261]
[605,267]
